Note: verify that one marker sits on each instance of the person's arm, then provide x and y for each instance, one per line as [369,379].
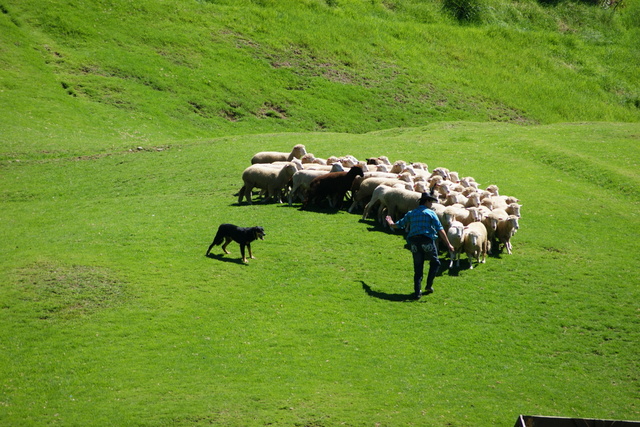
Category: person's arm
[445,239]
[391,223]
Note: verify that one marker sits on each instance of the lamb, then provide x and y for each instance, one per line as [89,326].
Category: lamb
[476,244]
[455,234]
[274,156]
[505,231]
[333,185]
[270,179]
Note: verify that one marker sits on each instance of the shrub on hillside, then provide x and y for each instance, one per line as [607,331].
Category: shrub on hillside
[464,10]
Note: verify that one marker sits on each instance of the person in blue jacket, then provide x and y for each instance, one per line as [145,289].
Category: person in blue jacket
[423,229]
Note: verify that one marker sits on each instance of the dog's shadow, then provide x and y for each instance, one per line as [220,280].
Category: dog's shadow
[386,296]
[221,257]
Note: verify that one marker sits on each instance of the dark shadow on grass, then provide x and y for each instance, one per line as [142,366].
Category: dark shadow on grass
[386,296]
[455,270]
[320,209]
[220,257]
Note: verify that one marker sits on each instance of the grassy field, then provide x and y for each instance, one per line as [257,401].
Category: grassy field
[112,315]
[125,128]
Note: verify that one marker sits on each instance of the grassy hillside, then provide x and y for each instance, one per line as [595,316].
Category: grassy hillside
[85,75]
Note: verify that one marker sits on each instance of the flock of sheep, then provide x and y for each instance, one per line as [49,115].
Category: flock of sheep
[476,220]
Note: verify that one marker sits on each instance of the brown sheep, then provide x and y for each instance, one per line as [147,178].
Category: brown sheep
[333,185]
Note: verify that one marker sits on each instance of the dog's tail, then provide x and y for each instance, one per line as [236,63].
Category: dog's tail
[216,240]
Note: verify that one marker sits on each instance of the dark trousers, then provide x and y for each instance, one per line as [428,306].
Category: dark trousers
[423,249]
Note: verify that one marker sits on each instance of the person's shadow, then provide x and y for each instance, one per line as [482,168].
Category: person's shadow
[385,295]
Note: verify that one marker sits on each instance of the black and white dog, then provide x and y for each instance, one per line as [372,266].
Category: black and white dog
[242,235]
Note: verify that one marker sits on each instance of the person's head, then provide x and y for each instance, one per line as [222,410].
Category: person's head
[427,198]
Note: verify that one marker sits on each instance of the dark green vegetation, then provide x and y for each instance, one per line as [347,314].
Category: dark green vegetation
[110,313]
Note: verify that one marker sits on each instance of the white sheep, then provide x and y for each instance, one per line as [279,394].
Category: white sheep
[476,243]
[398,166]
[468,181]
[363,189]
[513,209]
[459,213]
[397,202]
[443,172]
[473,200]
[453,197]
[439,208]
[269,179]
[281,164]
[455,234]
[310,158]
[274,156]
[505,231]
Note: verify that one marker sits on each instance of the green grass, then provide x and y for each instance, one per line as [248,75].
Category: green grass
[124,130]
[89,75]
[112,315]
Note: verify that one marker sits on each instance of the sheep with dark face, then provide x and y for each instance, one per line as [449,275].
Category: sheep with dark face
[332,186]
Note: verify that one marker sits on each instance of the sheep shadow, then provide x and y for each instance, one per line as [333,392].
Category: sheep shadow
[456,269]
[321,210]
[221,257]
[386,296]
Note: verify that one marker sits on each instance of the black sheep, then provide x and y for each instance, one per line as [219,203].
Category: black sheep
[333,185]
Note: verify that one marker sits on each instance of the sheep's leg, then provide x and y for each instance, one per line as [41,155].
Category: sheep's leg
[293,192]
[365,213]
[247,193]
[241,194]
[508,246]
[353,206]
